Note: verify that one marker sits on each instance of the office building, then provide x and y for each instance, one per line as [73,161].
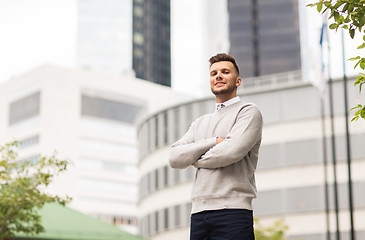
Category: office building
[290,174]
[264,36]
[104,36]
[152,40]
[90,119]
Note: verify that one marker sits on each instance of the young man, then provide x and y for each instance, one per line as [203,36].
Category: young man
[223,147]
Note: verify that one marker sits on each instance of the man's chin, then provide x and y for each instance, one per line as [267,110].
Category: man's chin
[219,92]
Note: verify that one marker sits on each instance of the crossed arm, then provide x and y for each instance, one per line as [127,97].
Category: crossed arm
[218,152]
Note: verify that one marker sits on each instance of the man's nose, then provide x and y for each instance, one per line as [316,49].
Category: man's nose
[218,76]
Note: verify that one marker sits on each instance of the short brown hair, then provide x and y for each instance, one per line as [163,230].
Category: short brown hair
[221,57]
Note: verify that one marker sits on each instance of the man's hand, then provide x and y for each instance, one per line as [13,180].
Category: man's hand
[219,140]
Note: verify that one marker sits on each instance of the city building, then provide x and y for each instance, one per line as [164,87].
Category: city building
[264,36]
[152,41]
[104,36]
[290,175]
[89,118]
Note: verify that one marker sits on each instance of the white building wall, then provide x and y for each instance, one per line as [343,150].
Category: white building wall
[102,148]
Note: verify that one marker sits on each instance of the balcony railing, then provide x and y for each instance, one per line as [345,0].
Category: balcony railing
[272,80]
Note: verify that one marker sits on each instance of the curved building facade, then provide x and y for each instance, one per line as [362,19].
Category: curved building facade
[290,176]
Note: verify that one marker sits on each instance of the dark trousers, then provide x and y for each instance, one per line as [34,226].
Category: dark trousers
[224,224]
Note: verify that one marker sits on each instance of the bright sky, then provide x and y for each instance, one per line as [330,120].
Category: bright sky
[38,32]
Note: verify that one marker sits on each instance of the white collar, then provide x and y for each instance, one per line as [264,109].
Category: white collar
[228,102]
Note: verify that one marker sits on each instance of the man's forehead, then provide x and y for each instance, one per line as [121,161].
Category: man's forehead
[221,64]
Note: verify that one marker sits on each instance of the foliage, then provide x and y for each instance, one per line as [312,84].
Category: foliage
[274,232]
[21,185]
[350,16]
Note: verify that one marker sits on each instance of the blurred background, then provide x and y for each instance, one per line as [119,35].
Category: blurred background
[112,84]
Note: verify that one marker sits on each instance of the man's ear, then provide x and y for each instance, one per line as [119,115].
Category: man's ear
[238,81]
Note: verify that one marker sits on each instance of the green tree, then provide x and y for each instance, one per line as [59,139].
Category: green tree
[350,16]
[21,190]
[273,232]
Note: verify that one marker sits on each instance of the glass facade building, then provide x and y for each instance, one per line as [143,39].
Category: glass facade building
[264,36]
[104,35]
[151,41]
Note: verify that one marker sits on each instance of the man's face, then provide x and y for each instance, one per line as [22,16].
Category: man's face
[224,79]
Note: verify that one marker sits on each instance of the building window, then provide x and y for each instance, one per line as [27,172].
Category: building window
[156,222]
[177,123]
[138,11]
[165,176]
[24,108]
[156,180]
[166,218]
[30,141]
[166,127]
[177,216]
[189,113]
[110,109]
[149,178]
[157,133]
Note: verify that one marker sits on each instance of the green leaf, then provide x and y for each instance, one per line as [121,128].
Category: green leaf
[362,113]
[347,19]
[361,46]
[338,4]
[355,118]
[361,21]
[336,15]
[350,8]
[358,112]
[362,65]
[319,7]
[357,64]
[353,59]
[327,4]
[333,26]
[358,106]
[352,33]
[345,7]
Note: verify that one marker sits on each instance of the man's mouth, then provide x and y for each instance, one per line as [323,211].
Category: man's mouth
[219,84]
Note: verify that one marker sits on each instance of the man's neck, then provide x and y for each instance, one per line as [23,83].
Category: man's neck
[222,99]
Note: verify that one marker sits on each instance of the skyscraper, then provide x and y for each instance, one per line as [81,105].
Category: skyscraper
[104,35]
[151,41]
[264,36]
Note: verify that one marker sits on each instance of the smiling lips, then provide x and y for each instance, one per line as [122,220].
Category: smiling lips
[219,84]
